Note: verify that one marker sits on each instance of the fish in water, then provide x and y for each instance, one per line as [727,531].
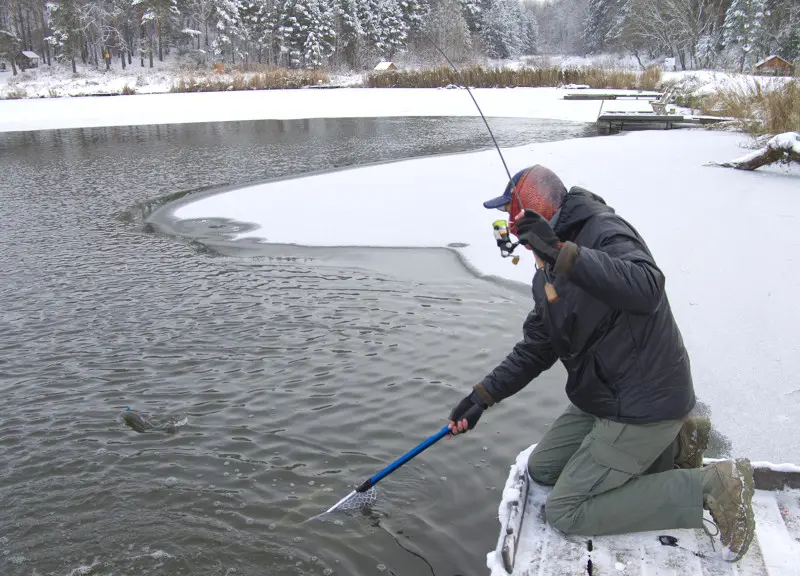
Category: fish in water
[142,424]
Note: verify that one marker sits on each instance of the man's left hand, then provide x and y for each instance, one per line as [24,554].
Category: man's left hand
[534,231]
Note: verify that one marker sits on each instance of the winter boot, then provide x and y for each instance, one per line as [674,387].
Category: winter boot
[692,442]
[727,494]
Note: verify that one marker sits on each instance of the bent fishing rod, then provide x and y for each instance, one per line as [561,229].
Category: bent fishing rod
[500,227]
[364,493]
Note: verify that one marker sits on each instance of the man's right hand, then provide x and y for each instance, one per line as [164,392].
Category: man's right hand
[466,414]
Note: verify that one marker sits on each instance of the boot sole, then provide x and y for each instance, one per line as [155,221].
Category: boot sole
[745,470]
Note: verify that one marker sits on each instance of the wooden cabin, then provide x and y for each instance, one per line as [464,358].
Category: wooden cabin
[774,65]
[27,59]
[385,67]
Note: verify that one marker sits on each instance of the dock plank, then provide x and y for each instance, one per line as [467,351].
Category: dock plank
[542,551]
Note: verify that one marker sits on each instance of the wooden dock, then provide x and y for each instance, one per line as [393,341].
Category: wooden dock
[617,121]
[609,96]
[539,550]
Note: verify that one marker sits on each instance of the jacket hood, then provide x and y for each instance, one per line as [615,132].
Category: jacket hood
[578,206]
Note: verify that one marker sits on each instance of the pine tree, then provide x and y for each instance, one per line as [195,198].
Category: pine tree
[320,38]
[605,24]
[226,14]
[447,26]
[789,34]
[255,27]
[473,13]
[306,33]
[393,29]
[412,13]
[500,31]
[743,30]
[10,44]
[290,34]
[781,29]
[66,26]
[529,30]
[594,34]
[350,33]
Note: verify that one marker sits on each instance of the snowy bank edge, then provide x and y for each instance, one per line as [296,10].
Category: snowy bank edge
[494,559]
[163,220]
[239,106]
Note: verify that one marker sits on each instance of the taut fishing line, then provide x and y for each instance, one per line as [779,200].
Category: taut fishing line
[366,494]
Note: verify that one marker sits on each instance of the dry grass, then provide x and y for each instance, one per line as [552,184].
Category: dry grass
[16,94]
[269,79]
[127,90]
[479,77]
[758,111]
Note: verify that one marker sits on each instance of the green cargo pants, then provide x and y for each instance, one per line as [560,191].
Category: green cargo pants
[605,479]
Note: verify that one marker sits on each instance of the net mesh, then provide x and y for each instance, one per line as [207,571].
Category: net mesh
[357,501]
[352,503]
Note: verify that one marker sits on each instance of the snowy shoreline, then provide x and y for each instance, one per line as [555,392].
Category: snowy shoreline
[739,333]
[154,104]
[143,109]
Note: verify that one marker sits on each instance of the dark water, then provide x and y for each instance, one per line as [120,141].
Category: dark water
[300,372]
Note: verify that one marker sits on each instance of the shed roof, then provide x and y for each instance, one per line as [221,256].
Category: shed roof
[771,57]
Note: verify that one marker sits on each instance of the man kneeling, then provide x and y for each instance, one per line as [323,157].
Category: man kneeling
[625,456]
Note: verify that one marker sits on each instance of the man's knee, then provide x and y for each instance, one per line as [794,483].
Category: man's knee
[560,515]
[542,472]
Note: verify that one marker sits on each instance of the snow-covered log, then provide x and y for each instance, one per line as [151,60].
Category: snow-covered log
[781,148]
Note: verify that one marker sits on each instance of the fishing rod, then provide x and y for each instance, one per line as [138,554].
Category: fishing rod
[500,227]
[365,493]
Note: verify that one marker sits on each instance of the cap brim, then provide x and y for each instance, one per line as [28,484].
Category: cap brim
[498,202]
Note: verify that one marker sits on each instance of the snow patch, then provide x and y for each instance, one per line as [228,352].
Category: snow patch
[688,213]
[62,113]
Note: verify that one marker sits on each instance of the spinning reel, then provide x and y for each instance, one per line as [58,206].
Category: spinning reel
[503,240]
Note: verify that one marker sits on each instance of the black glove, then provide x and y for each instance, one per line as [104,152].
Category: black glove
[470,409]
[534,231]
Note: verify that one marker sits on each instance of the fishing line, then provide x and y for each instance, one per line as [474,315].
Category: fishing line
[365,494]
[464,85]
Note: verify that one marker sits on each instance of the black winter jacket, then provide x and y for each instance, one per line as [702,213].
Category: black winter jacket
[612,326]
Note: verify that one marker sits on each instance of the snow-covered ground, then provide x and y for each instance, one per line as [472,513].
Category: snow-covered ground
[726,240]
[58,80]
[701,82]
[55,113]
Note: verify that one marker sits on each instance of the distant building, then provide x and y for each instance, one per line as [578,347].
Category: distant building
[774,65]
[385,67]
[27,59]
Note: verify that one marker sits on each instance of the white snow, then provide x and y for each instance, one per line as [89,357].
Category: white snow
[700,82]
[494,561]
[60,113]
[788,468]
[726,240]
[786,141]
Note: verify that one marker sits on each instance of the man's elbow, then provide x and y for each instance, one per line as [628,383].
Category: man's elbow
[651,292]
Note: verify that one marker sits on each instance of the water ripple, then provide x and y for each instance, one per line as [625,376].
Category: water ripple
[300,372]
